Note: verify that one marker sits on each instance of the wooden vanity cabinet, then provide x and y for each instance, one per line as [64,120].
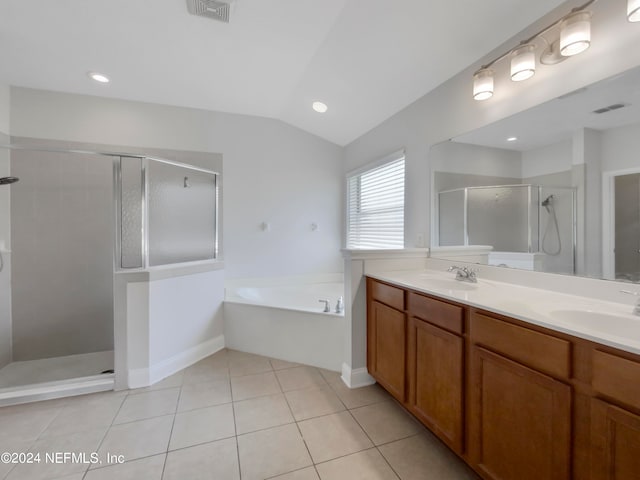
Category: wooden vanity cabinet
[435,358]
[615,418]
[387,337]
[514,400]
[615,442]
[520,408]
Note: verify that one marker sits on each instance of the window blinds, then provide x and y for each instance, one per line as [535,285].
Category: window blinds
[376,207]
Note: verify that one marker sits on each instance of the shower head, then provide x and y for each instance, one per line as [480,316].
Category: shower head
[8,180]
[547,201]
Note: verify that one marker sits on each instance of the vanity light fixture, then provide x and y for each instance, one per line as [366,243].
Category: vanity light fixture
[483,84]
[512,139]
[319,107]
[98,77]
[523,62]
[633,10]
[575,33]
[574,38]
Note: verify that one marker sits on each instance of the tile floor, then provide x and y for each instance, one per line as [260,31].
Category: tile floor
[231,416]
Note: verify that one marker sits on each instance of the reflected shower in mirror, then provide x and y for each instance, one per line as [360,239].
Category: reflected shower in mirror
[521,229]
[555,188]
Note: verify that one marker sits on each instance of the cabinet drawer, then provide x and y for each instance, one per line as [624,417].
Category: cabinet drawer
[537,350]
[442,314]
[617,378]
[391,296]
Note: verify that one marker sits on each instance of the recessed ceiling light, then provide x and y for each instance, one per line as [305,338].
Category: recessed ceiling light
[319,107]
[512,139]
[98,77]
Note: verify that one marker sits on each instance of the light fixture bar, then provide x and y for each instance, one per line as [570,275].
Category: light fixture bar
[633,10]
[541,32]
[575,37]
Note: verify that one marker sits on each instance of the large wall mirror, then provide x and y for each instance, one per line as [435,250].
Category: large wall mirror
[555,188]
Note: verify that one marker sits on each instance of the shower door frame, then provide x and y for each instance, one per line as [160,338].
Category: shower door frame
[144,201]
[117,196]
[465,190]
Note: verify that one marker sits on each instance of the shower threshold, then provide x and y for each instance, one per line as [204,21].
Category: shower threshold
[50,390]
[56,377]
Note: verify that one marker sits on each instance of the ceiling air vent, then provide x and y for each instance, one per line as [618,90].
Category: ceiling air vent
[216,9]
[615,106]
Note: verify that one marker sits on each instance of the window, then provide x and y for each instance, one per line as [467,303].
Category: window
[376,205]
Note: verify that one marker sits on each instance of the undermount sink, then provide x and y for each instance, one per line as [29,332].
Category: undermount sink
[620,325]
[446,284]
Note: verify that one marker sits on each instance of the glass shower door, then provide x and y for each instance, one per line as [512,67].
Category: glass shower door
[58,268]
[498,216]
[168,213]
[182,214]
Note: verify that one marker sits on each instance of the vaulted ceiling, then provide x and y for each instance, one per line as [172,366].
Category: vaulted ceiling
[366,59]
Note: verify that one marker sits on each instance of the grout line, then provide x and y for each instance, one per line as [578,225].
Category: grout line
[297,425]
[235,429]
[205,406]
[361,427]
[235,426]
[195,445]
[175,414]
[39,436]
[345,455]
[124,399]
[387,462]
[278,475]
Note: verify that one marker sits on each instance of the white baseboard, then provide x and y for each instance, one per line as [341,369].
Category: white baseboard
[144,377]
[356,378]
[138,378]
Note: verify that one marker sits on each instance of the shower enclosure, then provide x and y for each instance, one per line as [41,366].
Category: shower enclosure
[528,219]
[70,221]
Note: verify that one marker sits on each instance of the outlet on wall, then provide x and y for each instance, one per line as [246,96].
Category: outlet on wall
[420,240]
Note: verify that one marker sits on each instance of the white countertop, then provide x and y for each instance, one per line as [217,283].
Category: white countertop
[609,323]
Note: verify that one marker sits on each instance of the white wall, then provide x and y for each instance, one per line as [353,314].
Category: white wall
[469,159]
[184,312]
[166,320]
[450,110]
[273,172]
[548,159]
[621,148]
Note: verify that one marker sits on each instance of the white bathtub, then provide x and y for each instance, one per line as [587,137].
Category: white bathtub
[284,319]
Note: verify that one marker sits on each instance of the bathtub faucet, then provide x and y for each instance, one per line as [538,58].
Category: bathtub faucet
[339,305]
[326,306]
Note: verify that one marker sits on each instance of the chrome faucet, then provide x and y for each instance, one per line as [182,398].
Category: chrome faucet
[464,274]
[339,305]
[636,307]
[326,306]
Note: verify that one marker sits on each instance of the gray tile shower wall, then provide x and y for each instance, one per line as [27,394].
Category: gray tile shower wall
[62,241]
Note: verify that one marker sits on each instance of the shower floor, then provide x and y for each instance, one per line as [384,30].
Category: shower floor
[55,369]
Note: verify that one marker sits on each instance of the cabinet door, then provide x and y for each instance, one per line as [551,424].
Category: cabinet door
[386,340]
[435,380]
[520,421]
[615,443]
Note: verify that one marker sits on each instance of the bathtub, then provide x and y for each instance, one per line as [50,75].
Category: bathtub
[283,318]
